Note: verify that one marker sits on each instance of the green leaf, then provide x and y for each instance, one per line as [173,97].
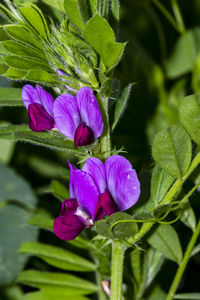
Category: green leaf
[172,150]
[187,296]
[14,74]
[42,221]
[19,49]
[136,264]
[10,97]
[74,14]
[35,19]
[42,76]
[7,14]
[153,263]
[160,184]
[101,37]
[58,257]
[59,190]
[187,216]
[57,283]
[22,34]
[117,226]
[58,4]
[14,187]
[196,250]
[50,139]
[43,296]
[190,116]
[156,293]
[14,232]
[165,240]
[23,63]
[184,54]
[121,104]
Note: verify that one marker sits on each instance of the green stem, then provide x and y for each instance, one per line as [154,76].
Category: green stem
[167,199]
[117,270]
[105,138]
[183,264]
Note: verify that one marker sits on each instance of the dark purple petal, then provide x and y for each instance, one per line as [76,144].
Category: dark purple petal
[83,136]
[94,167]
[122,181]
[29,95]
[39,119]
[83,188]
[68,228]
[46,99]
[66,115]
[105,206]
[89,110]
[69,207]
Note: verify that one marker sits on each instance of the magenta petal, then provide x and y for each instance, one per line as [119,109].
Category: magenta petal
[68,228]
[29,95]
[105,206]
[89,110]
[94,167]
[83,136]
[66,115]
[122,181]
[46,99]
[83,188]
[69,207]
[39,119]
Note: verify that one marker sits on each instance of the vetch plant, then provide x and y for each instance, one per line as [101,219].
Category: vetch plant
[123,228]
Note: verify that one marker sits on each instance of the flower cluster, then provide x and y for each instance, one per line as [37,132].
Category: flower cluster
[98,189]
[78,118]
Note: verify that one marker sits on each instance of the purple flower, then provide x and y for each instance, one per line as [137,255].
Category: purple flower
[96,191]
[79,118]
[39,104]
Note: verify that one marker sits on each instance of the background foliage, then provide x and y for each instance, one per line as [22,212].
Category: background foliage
[154,86]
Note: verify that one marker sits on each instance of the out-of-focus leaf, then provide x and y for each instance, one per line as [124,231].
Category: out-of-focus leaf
[34,18]
[6,151]
[43,296]
[14,233]
[42,221]
[101,37]
[189,116]
[160,184]
[121,104]
[184,54]
[57,283]
[157,293]
[13,187]
[187,296]
[10,97]
[153,262]
[59,190]
[195,250]
[172,150]
[58,257]
[6,13]
[136,265]
[165,240]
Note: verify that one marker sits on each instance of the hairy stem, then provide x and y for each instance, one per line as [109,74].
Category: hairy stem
[117,270]
[183,264]
[167,199]
[105,138]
